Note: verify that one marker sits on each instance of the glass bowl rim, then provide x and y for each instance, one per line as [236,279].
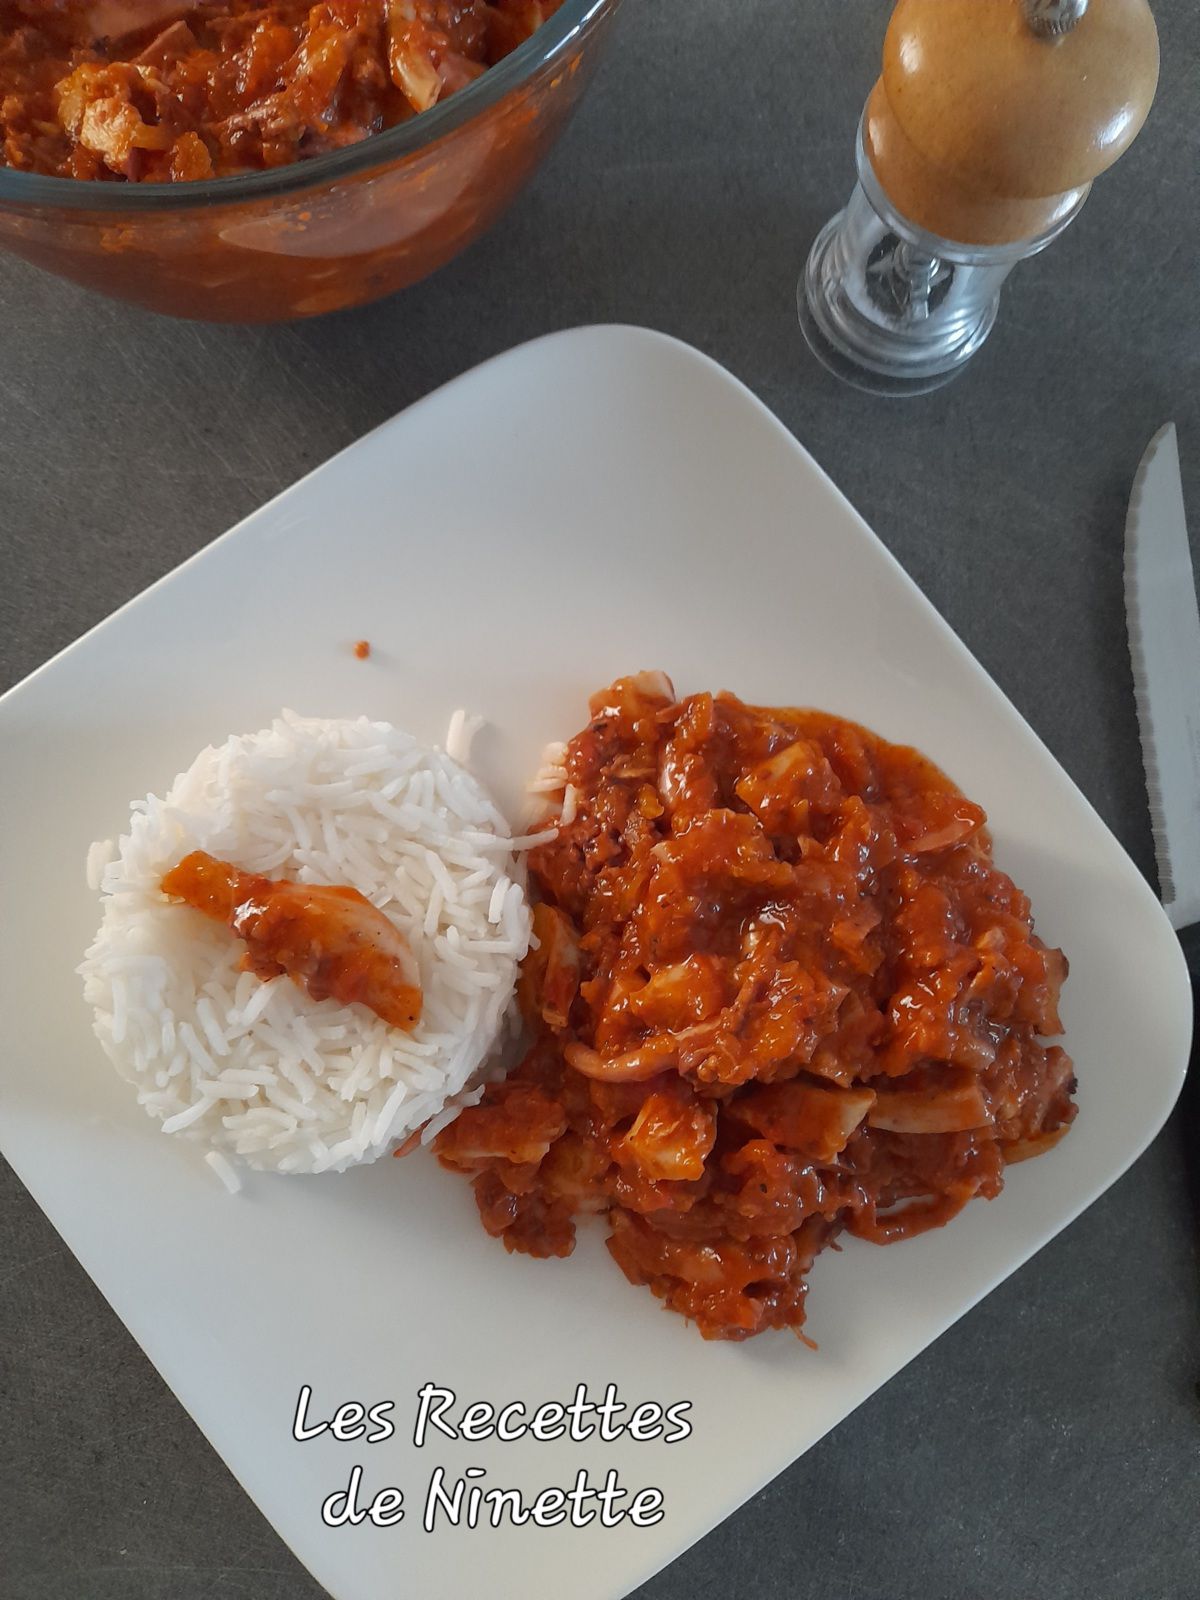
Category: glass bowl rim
[540,50]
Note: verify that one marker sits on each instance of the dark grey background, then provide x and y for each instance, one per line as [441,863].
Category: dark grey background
[1049,1444]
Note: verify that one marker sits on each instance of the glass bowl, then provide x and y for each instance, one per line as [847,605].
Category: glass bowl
[320,235]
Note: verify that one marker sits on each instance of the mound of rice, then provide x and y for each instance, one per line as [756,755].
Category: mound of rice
[259,1070]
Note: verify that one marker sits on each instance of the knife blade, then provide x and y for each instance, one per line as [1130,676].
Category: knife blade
[1164,647]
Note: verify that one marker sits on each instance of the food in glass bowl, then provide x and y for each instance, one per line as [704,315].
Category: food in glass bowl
[158,91]
[249,161]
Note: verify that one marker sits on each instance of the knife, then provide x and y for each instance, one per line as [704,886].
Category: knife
[1164,628]
[1164,647]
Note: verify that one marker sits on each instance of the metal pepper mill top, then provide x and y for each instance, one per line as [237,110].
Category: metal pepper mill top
[978,145]
[1050,17]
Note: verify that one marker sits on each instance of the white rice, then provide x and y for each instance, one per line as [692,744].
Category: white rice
[549,792]
[224,1170]
[259,1070]
[461,736]
[98,857]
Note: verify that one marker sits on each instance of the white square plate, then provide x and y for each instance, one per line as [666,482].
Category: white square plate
[594,503]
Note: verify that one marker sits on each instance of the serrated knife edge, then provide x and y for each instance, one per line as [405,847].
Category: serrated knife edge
[1180,891]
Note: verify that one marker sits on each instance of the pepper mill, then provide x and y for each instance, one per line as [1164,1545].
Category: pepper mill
[977,146]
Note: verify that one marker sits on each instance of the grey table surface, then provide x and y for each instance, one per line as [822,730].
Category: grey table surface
[1050,1443]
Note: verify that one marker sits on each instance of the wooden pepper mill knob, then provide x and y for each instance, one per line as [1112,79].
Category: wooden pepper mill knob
[992,117]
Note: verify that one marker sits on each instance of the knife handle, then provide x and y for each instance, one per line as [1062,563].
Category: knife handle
[1189,938]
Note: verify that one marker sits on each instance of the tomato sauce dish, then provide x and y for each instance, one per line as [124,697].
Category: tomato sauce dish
[713,1015]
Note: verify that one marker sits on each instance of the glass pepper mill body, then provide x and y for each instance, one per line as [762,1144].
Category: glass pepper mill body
[977,147]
